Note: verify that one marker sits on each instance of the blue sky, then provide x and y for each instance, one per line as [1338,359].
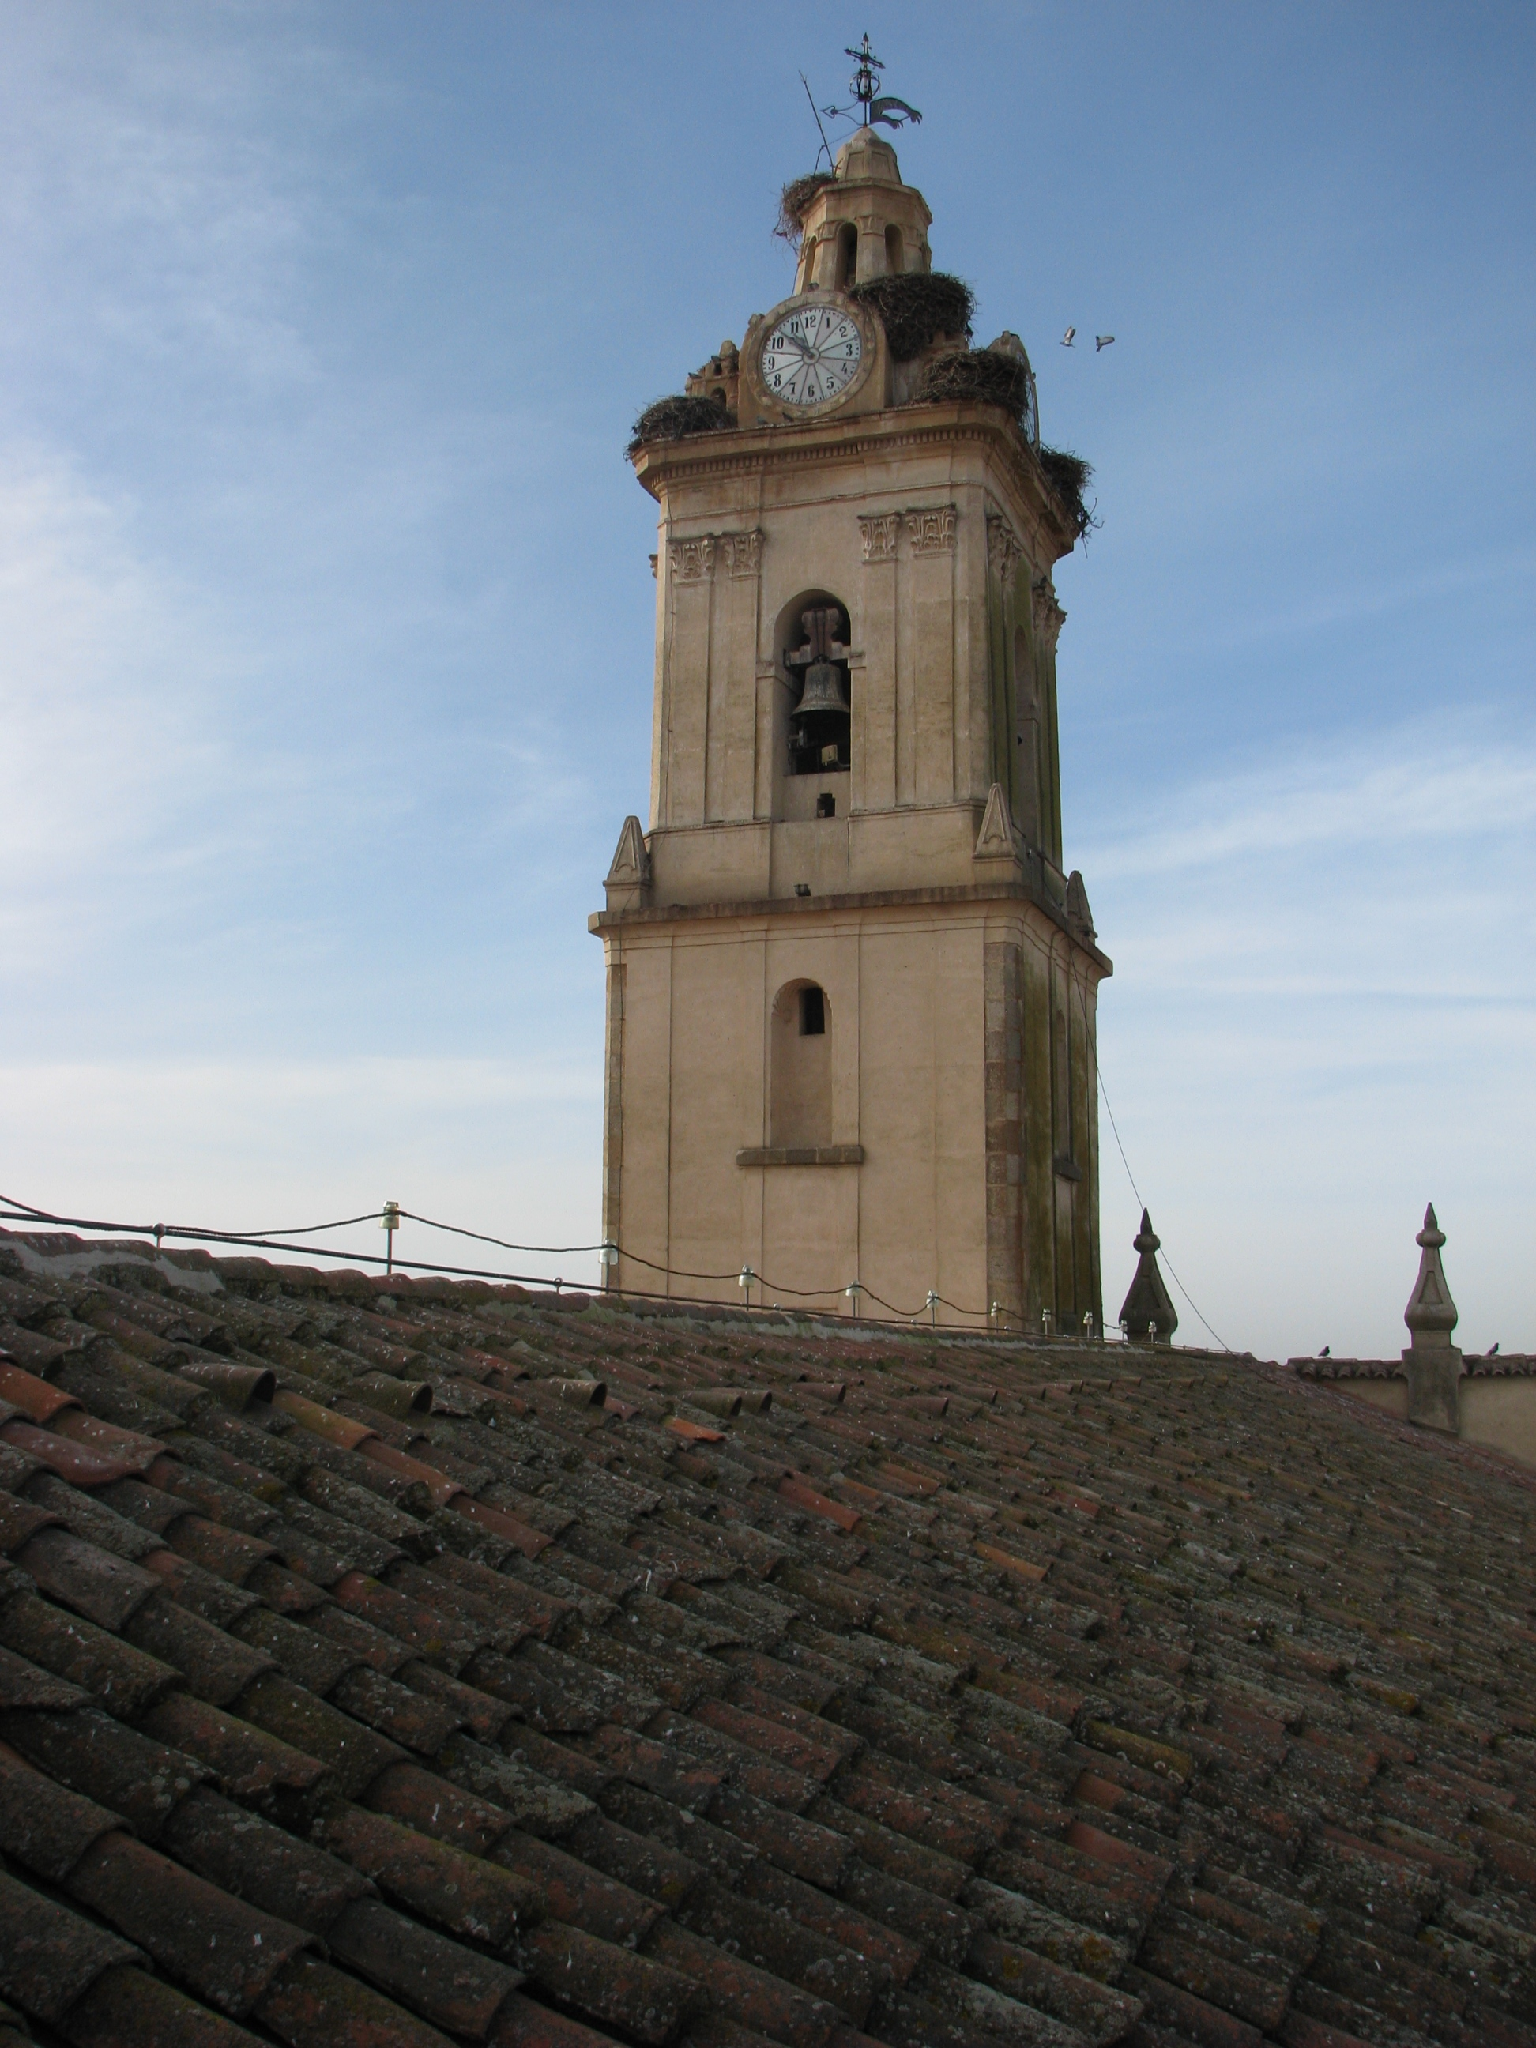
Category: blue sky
[327,621]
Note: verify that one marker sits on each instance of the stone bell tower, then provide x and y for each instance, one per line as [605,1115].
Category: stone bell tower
[852,993]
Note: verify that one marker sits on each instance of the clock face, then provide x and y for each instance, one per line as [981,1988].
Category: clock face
[812,354]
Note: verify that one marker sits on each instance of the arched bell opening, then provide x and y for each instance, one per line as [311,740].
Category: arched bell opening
[800,1066]
[814,657]
[812,715]
[895,255]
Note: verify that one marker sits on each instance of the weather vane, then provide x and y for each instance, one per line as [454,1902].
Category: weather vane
[865,87]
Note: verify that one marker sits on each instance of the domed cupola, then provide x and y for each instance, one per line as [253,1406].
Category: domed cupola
[860,221]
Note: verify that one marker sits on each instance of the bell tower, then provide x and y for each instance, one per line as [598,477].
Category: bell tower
[851,992]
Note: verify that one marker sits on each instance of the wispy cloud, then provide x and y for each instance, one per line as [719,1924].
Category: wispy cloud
[505,1146]
[99,692]
[1324,1014]
[1378,790]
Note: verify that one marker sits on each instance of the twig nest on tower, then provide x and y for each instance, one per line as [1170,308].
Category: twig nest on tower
[1069,477]
[669,419]
[794,201]
[916,307]
[982,373]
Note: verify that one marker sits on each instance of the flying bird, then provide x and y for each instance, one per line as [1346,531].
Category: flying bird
[1066,339]
[1326,1352]
[1101,341]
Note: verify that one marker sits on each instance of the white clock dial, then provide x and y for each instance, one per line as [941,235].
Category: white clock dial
[811,355]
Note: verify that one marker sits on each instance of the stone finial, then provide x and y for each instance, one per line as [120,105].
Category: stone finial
[1432,1361]
[1079,916]
[630,874]
[1431,1314]
[995,840]
[1147,1305]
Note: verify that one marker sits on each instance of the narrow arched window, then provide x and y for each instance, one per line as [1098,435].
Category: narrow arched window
[847,255]
[895,260]
[800,1070]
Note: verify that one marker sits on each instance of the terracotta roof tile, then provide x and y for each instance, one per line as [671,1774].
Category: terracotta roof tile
[355,1754]
[50,1956]
[443,1882]
[126,2004]
[645,1997]
[124,1771]
[857,1776]
[450,1985]
[253,1859]
[46,1828]
[80,1464]
[311,2004]
[222,1949]
[522,2024]
[121,1678]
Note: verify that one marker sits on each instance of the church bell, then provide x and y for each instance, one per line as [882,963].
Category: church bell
[823,690]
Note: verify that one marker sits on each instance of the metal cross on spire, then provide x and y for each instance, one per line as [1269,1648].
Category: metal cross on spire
[865,86]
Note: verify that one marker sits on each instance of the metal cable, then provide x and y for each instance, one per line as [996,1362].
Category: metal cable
[177,1230]
[544,1250]
[14,1211]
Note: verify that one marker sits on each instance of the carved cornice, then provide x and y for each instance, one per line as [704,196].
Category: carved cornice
[1049,616]
[1003,545]
[748,452]
[931,529]
[877,530]
[1018,884]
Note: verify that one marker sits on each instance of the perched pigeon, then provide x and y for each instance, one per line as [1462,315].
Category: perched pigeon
[1326,1352]
[1066,339]
[1493,1351]
[1101,341]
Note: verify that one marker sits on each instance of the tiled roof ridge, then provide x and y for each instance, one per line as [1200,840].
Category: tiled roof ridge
[1478,1365]
[797,1690]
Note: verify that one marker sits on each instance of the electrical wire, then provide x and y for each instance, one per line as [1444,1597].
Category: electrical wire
[544,1250]
[13,1211]
[174,1230]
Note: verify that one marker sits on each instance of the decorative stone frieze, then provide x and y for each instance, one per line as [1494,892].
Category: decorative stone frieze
[1049,616]
[877,530]
[931,529]
[1003,545]
[743,552]
[692,560]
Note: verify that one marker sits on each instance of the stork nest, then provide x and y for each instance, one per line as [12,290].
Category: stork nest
[669,419]
[983,373]
[916,307]
[1069,477]
[795,199]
